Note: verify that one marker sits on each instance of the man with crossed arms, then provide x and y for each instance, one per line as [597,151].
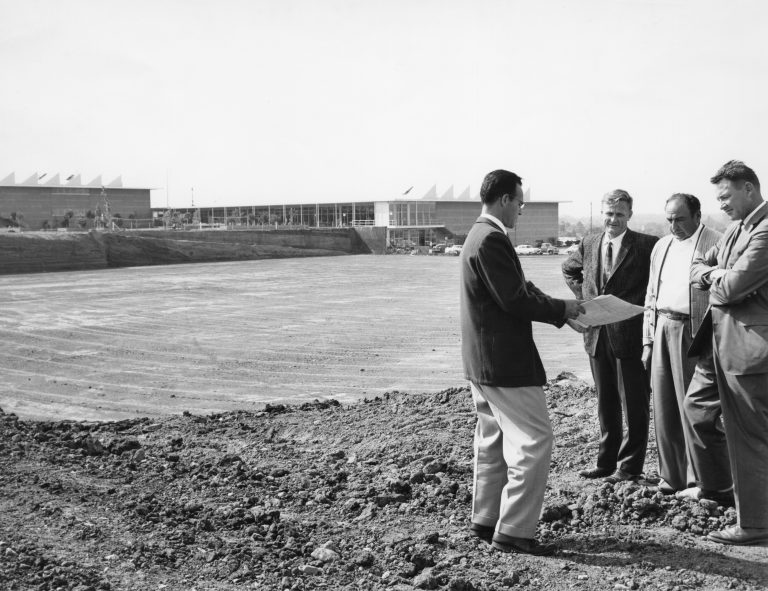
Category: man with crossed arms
[674,310]
[735,271]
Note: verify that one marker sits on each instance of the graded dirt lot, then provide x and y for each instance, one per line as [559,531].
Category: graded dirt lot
[157,491]
[148,341]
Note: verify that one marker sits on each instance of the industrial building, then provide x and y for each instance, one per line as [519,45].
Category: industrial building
[413,222]
[41,203]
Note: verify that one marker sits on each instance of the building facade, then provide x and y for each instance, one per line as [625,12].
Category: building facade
[409,222]
[53,205]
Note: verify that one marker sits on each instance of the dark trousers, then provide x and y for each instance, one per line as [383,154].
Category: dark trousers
[622,388]
[704,428]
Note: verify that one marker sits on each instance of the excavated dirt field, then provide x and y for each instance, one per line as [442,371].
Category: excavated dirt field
[212,337]
[318,494]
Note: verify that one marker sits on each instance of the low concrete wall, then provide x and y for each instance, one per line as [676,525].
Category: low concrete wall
[374,237]
[32,252]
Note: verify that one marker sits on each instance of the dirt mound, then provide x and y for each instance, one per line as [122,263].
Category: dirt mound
[375,495]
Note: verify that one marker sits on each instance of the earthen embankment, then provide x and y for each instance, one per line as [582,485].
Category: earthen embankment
[33,252]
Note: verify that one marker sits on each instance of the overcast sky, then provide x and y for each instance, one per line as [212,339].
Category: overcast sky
[266,101]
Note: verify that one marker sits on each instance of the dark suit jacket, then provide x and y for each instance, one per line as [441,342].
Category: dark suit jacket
[497,308]
[739,300]
[628,281]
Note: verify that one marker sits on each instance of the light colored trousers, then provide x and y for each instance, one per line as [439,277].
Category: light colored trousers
[671,373]
[513,448]
[745,418]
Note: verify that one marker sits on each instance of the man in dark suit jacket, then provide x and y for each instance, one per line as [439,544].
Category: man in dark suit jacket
[513,436]
[735,271]
[616,262]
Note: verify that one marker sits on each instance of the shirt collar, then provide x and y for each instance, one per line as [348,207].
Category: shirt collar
[495,220]
[616,241]
[748,220]
[692,238]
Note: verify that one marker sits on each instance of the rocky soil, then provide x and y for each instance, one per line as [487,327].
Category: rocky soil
[374,495]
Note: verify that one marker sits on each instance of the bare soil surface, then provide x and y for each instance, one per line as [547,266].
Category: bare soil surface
[213,337]
[372,495]
[163,456]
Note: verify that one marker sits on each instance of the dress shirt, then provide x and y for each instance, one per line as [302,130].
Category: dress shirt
[674,290]
[495,220]
[615,246]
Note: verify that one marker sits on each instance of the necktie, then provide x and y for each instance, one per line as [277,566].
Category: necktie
[608,262]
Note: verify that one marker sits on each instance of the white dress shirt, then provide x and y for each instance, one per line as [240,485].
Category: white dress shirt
[674,294]
[495,220]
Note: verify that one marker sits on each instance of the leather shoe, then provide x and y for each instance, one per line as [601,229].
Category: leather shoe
[595,472]
[522,545]
[694,493]
[665,487]
[621,476]
[484,532]
[739,536]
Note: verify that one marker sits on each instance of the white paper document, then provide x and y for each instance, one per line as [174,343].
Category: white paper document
[606,309]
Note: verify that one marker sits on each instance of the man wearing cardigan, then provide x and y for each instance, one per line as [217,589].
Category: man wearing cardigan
[513,435]
[616,262]
[674,310]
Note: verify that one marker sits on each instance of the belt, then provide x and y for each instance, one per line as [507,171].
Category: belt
[672,315]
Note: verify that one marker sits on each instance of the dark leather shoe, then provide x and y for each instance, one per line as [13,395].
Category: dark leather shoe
[724,499]
[739,536]
[484,532]
[522,545]
[596,472]
[621,476]
[665,488]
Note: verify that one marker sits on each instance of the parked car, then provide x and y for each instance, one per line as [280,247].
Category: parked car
[437,248]
[548,248]
[572,248]
[454,250]
[525,249]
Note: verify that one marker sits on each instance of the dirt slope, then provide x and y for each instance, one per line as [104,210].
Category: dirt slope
[373,495]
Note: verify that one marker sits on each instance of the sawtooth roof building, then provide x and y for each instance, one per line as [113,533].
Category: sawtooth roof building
[38,203]
[412,222]
[42,204]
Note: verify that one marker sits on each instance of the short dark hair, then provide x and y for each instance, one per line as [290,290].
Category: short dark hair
[691,201]
[617,196]
[735,171]
[498,183]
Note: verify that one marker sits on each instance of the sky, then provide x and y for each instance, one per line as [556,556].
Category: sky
[239,102]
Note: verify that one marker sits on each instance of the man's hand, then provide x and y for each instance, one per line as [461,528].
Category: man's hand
[573,308]
[646,358]
[716,274]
